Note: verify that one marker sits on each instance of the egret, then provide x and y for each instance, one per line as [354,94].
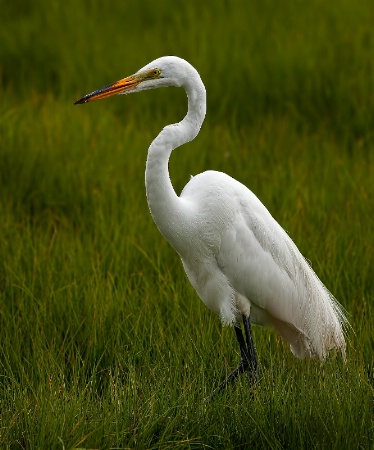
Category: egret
[240,261]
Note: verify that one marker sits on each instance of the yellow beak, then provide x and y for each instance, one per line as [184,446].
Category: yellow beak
[119,87]
[122,86]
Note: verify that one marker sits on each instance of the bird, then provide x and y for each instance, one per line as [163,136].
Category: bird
[240,261]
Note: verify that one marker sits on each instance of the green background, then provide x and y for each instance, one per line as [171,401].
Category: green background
[103,342]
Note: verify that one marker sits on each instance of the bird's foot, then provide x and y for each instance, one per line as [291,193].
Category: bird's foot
[244,366]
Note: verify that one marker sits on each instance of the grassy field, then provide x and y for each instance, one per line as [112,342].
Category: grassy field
[103,342]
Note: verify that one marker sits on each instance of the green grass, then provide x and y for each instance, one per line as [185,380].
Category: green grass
[103,342]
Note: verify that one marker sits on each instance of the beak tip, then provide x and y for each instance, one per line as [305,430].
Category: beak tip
[80,101]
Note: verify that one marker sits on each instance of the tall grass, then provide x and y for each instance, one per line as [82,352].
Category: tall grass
[103,342]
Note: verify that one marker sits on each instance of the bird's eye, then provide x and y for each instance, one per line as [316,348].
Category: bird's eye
[152,74]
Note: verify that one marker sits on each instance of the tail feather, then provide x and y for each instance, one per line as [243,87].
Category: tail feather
[322,328]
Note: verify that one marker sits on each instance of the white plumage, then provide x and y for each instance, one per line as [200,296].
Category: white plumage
[237,257]
[245,263]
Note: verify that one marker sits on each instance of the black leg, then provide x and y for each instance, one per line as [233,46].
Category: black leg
[248,362]
[253,365]
[242,345]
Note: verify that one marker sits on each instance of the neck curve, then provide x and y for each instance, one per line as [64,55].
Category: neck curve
[169,211]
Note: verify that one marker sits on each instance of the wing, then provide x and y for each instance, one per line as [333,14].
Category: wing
[246,261]
[263,265]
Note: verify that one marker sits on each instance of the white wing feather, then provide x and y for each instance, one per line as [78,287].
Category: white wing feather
[248,259]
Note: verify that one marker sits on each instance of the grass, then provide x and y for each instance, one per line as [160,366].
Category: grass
[103,342]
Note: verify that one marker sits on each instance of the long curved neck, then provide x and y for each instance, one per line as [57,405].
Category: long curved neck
[168,210]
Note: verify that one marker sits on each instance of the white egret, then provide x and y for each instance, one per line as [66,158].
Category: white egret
[240,261]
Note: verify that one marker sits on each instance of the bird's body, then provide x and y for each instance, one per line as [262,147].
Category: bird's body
[242,262]
[237,257]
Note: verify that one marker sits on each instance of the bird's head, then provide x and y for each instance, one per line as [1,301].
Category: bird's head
[162,72]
